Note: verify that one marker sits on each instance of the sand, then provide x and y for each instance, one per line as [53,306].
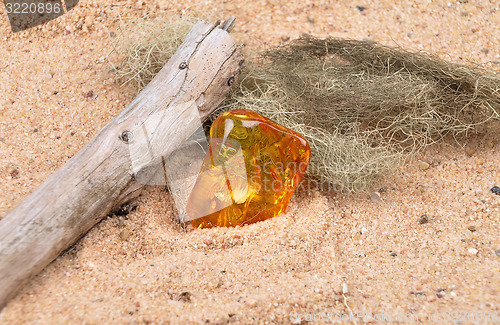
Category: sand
[427,251]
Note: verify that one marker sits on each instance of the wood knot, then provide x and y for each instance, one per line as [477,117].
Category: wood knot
[125,136]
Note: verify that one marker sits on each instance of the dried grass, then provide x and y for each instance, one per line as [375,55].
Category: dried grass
[338,161]
[145,44]
[362,106]
[388,94]
[365,107]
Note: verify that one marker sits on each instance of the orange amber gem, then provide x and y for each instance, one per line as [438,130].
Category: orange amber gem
[251,169]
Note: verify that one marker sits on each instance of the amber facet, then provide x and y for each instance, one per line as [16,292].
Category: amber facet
[250,171]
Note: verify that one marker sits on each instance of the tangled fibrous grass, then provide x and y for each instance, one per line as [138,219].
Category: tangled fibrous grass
[338,161]
[363,106]
[144,45]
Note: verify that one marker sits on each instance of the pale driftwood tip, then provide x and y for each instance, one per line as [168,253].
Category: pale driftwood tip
[228,25]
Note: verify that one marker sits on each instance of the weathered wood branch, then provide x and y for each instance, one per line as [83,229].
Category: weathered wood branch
[99,178]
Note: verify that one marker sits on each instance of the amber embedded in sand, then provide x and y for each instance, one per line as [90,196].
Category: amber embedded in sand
[250,171]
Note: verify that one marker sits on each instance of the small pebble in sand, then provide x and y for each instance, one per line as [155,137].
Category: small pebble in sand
[423,219]
[89,94]
[440,293]
[423,165]
[125,234]
[470,150]
[497,252]
[495,190]
[360,8]
[472,251]
[375,197]
[14,173]
[185,296]
[472,228]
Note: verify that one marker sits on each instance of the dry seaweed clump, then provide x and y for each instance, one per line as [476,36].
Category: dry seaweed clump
[364,106]
[144,45]
[338,161]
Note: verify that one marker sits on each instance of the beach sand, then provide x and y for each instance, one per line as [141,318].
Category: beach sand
[430,247]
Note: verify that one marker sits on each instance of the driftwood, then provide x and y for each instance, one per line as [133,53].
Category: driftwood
[99,178]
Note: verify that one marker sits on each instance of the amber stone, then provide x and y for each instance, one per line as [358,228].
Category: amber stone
[251,169]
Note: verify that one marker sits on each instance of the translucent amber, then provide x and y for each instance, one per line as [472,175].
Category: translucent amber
[251,169]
